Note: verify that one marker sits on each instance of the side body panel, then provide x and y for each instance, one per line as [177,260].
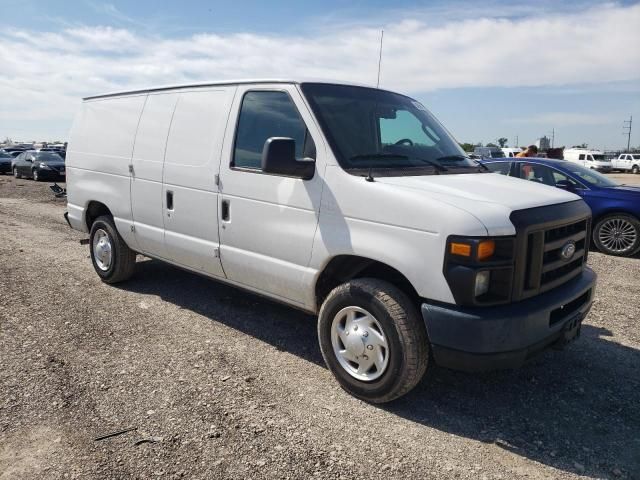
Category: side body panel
[98,158]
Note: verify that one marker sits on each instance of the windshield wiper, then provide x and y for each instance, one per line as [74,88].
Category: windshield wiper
[463,157]
[439,168]
[452,157]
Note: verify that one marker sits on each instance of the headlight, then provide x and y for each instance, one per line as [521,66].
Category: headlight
[43,166]
[483,279]
[479,270]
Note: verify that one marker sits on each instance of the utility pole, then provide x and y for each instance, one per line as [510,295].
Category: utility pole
[553,136]
[380,57]
[626,130]
[517,144]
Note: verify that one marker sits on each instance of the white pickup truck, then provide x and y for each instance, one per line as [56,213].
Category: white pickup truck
[627,162]
[349,202]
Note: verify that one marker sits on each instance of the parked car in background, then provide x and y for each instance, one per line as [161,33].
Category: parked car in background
[5,161]
[593,159]
[627,162]
[39,166]
[488,152]
[615,207]
[511,152]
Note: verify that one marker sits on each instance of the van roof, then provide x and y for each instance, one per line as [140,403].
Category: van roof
[222,82]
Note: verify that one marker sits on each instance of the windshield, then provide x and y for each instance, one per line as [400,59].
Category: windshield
[371,128]
[48,157]
[5,155]
[589,175]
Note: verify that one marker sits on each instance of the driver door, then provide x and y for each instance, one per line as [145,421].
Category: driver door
[268,221]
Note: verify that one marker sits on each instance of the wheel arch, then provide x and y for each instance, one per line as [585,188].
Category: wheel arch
[611,212]
[94,210]
[342,268]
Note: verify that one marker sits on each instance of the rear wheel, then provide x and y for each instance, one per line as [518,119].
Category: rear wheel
[373,339]
[635,169]
[618,235]
[112,259]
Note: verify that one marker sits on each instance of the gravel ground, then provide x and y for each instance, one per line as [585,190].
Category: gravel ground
[223,384]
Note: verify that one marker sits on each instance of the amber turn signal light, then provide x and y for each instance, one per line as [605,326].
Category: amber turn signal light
[462,249]
[486,249]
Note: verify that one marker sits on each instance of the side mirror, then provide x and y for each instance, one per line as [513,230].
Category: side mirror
[566,185]
[279,158]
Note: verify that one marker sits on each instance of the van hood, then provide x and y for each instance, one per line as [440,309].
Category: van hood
[490,197]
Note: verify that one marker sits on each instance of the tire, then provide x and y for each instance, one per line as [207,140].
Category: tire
[604,235]
[635,169]
[35,175]
[15,173]
[119,263]
[401,325]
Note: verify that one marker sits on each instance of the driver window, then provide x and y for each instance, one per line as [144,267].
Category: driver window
[561,177]
[266,114]
[405,129]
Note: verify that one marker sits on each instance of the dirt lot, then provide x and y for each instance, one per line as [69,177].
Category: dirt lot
[223,384]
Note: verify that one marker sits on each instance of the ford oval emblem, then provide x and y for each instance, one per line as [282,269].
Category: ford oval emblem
[567,251]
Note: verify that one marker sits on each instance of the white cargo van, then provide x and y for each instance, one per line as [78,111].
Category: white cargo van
[349,202]
[593,159]
[627,162]
[511,152]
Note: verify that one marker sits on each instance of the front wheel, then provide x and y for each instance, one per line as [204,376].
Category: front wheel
[36,175]
[16,173]
[373,339]
[618,235]
[112,259]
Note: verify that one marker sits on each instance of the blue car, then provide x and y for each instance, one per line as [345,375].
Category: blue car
[615,207]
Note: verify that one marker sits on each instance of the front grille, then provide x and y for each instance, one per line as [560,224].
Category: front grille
[542,234]
[545,268]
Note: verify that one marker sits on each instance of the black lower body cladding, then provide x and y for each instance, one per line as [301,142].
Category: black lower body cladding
[505,336]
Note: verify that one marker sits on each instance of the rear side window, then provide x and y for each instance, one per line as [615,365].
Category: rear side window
[263,115]
[499,167]
[581,157]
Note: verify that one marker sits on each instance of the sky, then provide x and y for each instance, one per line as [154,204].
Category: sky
[487,70]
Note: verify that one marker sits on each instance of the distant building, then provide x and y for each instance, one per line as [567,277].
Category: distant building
[543,144]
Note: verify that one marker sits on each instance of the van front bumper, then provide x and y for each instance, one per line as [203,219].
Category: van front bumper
[505,336]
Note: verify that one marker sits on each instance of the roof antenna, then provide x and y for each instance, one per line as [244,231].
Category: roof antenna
[380,57]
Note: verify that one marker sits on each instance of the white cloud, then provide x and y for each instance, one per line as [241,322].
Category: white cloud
[567,119]
[45,73]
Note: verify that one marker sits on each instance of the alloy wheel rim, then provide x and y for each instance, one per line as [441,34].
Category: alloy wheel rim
[359,344]
[618,235]
[102,250]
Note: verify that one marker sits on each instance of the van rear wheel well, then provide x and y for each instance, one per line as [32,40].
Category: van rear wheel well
[344,268]
[95,210]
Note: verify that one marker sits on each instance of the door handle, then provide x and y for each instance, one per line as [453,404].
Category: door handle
[225,210]
[169,200]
